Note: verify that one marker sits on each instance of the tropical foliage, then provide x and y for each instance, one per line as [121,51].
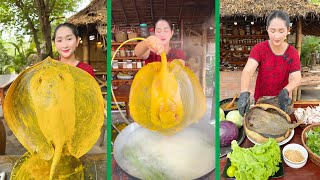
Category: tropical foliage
[310,45]
[5,59]
[20,61]
[35,18]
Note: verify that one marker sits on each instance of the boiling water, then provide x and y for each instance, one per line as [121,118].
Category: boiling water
[186,155]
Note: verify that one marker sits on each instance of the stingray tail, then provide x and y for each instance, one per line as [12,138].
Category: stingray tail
[302,120]
[55,161]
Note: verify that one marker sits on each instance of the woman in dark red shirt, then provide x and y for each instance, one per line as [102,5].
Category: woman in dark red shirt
[278,65]
[66,39]
[151,48]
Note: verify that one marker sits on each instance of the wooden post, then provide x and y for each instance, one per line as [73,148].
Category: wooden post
[204,56]
[86,47]
[3,137]
[295,93]
[299,36]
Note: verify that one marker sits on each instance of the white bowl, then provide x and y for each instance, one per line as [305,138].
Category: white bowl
[297,147]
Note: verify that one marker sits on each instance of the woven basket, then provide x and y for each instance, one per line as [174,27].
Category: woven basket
[313,157]
[121,36]
[132,35]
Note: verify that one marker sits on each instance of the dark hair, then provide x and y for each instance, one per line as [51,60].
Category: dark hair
[163,19]
[278,14]
[66,24]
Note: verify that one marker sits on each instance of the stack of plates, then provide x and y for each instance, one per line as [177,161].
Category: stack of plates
[124,77]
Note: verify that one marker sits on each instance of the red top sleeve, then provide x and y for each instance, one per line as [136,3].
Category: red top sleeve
[86,67]
[255,51]
[174,53]
[295,64]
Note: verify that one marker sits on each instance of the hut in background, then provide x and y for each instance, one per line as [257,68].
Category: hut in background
[91,23]
[303,14]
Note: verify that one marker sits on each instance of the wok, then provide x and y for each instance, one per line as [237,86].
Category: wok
[227,101]
[125,134]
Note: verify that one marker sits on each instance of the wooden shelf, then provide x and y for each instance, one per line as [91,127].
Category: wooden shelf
[127,44]
[237,57]
[175,42]
[122,80]
[126,69]
[124,58]
[238,62]
[234,58]
[235,51]
[135,43]
[243,36]
[248,44]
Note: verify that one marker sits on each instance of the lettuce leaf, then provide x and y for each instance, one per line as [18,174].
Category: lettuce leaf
[313,140]
[256,163]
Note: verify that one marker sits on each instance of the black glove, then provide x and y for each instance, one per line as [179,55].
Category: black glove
[284,99]
[244,103]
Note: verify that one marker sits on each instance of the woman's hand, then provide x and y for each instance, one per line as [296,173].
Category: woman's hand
[154,44]
[244,103]
[284,100]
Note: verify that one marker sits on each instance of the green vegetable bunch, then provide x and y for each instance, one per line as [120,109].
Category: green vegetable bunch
[256,163]
[313,140]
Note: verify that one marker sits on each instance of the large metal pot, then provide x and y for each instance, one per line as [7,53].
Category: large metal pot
[124,136]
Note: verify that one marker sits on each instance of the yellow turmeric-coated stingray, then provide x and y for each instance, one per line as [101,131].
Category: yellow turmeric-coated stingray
[166,97]
[55,109]
[33,167]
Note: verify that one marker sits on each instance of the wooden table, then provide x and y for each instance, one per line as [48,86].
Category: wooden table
[308,172]
[5,82]
[309,81]
[119,174]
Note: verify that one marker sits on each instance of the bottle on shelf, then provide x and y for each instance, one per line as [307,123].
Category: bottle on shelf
[248,29]
[144,32]
[122,52]
[178,34]
[174,32]
[151,31]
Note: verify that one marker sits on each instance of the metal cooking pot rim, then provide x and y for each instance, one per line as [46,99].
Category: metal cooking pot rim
[121,140]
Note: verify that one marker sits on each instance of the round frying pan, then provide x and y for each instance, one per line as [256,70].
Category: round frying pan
[125,134]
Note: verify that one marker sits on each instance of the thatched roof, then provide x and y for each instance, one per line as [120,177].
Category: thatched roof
[94,13]
[261,8]
[248,10]
[133,12]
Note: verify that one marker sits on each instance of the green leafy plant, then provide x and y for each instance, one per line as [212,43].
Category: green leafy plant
[313,140]
[310,45]
[21,60]
[5,59]
[17,63]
